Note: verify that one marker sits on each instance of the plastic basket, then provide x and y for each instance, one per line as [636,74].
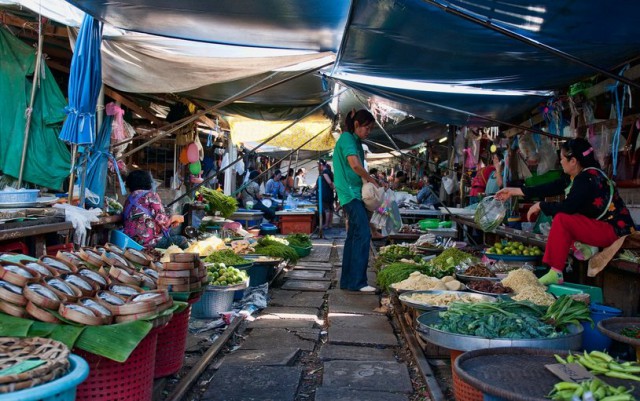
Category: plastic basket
[595,293]
[122,240]
[22,196]
[258,274]
[302,252]
[461,390]
[131,380]
[61,389]
[545,178]
[171,344]
[428,223]
[212,303]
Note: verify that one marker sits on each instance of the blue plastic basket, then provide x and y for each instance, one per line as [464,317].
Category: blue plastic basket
[61,389]
[19,196]
[122,240]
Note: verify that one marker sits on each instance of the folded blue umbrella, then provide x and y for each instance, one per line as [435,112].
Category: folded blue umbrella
[85,81]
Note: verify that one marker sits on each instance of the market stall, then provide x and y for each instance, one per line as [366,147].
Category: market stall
[125,311]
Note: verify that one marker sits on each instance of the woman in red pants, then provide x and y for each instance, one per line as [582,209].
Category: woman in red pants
[592,212]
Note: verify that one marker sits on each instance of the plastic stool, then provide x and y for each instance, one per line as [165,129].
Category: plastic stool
[16,246]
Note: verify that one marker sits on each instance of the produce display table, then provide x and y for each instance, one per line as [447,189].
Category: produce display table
[493,372]
[620,280]
[296,221]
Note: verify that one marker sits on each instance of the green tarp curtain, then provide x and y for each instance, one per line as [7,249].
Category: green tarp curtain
[48,159]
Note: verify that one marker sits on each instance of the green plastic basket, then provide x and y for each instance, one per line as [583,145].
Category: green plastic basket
[429,224]
[545,178]
[302,252]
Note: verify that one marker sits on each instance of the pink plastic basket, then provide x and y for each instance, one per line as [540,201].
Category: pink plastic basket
[131,380]
[171,345]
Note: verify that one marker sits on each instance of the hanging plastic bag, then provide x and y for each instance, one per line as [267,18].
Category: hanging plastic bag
[490,213]
[387,217]
[448,184]
[372,196]
[547,156]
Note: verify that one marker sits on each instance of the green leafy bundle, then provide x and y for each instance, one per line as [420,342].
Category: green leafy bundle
[277,250]
[445,263]
[502,319]
[220,202]
[566,311]
[398,271]
[227,257]
[272,240]
[299,240]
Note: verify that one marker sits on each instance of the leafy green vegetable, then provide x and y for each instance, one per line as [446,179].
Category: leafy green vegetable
[218,201]
[299,240]
[502,319]
[278,250]
[226,256]
[398,271]
[272,240]
[566,311]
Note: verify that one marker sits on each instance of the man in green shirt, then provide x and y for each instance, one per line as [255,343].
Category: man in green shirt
[349,175]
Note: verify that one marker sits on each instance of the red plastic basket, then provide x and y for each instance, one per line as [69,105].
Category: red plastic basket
[171,345]
[131,380]
[461,390]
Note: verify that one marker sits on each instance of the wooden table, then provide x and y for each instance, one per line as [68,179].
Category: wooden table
[37,233]
[100,229]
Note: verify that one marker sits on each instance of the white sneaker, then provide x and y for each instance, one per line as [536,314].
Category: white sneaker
[368,288]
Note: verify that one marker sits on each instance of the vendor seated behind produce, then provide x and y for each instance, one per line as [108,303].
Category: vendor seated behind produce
[592,213]
[427,195]
[274,186]
[251,195]
[144,217]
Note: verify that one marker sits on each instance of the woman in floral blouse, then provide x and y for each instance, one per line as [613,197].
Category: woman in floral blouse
[144,217]
[592,212]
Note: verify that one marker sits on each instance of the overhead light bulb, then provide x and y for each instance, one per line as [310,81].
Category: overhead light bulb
[443,139]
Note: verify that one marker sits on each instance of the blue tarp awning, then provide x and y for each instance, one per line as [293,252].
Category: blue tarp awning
[286,24]
[413,42]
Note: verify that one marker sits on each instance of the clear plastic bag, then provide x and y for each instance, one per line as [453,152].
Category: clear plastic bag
[490,213]
[387,217]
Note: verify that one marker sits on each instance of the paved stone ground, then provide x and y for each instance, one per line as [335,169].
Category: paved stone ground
[316,342]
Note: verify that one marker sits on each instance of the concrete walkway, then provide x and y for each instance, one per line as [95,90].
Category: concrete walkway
[315,342]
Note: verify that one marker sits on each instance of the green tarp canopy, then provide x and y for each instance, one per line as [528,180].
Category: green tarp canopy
[48,159]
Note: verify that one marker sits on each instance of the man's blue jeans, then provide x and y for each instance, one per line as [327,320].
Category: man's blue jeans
[355,258]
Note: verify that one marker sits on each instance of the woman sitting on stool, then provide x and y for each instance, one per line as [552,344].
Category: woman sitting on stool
[144,216]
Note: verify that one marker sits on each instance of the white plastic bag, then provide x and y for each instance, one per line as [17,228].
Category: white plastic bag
[372,196]
[448,184]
